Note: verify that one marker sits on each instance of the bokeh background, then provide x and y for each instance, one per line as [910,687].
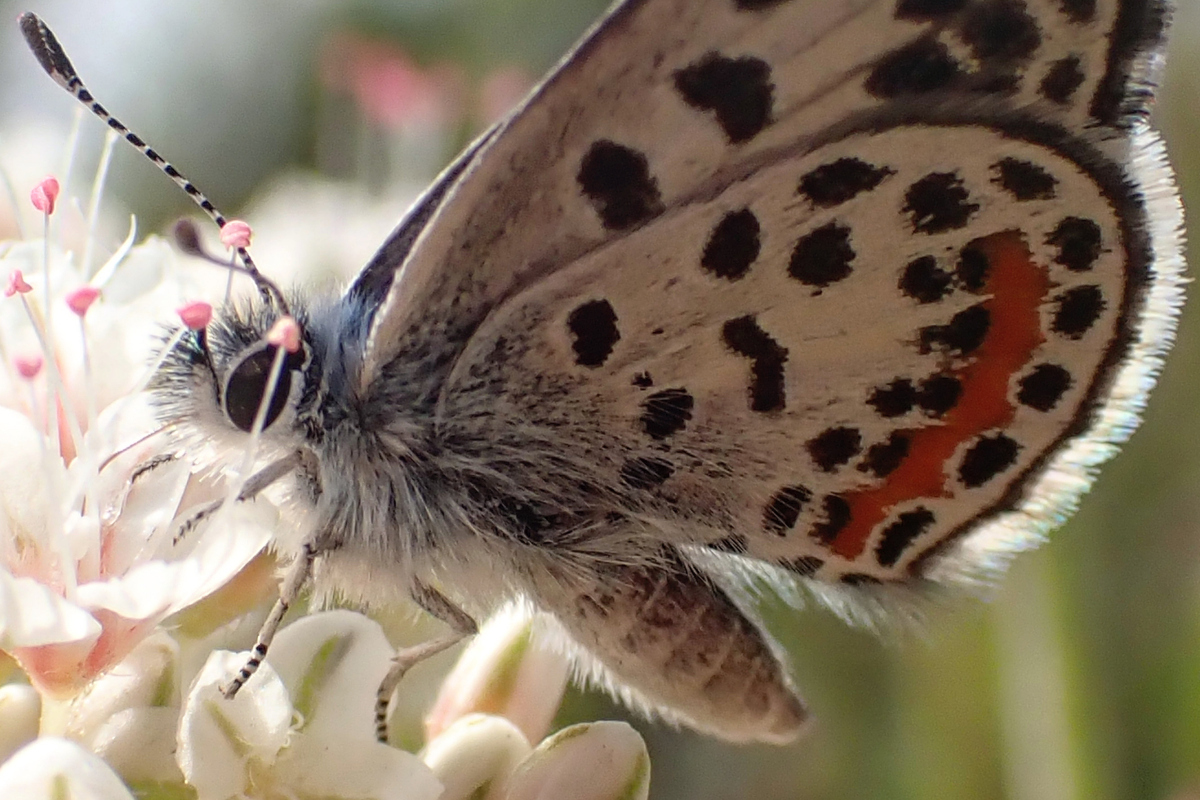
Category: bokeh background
[1080,678]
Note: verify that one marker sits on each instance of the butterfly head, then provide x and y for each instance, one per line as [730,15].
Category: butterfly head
[217,380]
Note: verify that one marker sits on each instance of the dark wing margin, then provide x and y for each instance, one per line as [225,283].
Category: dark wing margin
[1126,92]
[371,286]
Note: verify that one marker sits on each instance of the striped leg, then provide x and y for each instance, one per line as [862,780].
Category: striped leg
[461,626]
[297,576]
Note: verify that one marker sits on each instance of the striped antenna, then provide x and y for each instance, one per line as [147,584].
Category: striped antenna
[54,61]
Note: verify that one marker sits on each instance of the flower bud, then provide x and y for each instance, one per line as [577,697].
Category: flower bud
[503,672]
[592,761]
[474,757]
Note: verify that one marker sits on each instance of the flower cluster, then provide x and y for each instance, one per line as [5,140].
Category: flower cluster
[117,632]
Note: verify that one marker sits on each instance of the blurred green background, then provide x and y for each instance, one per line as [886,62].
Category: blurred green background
[1079,679]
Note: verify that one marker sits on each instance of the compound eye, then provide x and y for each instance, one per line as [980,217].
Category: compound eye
[248,383]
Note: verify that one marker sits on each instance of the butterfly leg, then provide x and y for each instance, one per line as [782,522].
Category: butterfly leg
[297,575]
[254,485]
[684,647]
[461,626]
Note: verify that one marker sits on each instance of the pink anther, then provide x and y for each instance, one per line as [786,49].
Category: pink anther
[285,333]
[16,284]
[28,367]
[196,314]
[45,194]
[236,234]
[81,299]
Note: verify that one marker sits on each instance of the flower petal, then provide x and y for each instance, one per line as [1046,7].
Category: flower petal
[139,744]
[20,709]
[318,766]
[592,761]
[58,769]
[475,756]
[332,663]
[218,737]
[32,615]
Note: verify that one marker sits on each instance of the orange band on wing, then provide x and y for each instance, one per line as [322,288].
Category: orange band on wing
[1018,287]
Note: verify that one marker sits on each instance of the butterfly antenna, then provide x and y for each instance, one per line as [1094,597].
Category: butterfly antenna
[54,61]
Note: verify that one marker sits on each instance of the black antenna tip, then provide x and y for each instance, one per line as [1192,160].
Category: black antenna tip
[187,238]
[46,49]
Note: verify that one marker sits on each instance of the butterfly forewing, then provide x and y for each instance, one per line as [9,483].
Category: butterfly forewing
[667,100]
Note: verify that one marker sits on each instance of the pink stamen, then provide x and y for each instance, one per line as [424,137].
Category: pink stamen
[16,284]
[81,299]
[196,314]
[236,233]
[45,194]
[28,367]
[285,333]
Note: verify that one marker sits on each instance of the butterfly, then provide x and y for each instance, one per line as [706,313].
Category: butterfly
[847,293]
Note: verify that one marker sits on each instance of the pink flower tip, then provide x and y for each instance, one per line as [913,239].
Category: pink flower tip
[45,194]
[81,299]
[28,367]
[16,284]
[236,234]
[285,333]
[196,314]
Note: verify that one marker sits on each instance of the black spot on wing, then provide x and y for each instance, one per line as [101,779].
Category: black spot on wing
[646,473]
[783,509]
[883,458]
[894,400]
[1078,11]
[822,256]
[617,181]
[593,327]
[1079,243]
[837,517]
[1043,387]
[939,394]
[987,458]
[733,245]
[922,10]
[1000,29]
[859,579]
[834,447]
[667,412]
[900,534]
[737,90]
[1061,81]
[938,202]
[642,380]
[1078,310]
[744,337]
[963,335]
[1024,180]
[756,5]
[924,281]
[971,272]
[922,66]
[841,181]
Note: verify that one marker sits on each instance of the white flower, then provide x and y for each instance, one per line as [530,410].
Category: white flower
[57,769]
[88,561]
[303,725]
